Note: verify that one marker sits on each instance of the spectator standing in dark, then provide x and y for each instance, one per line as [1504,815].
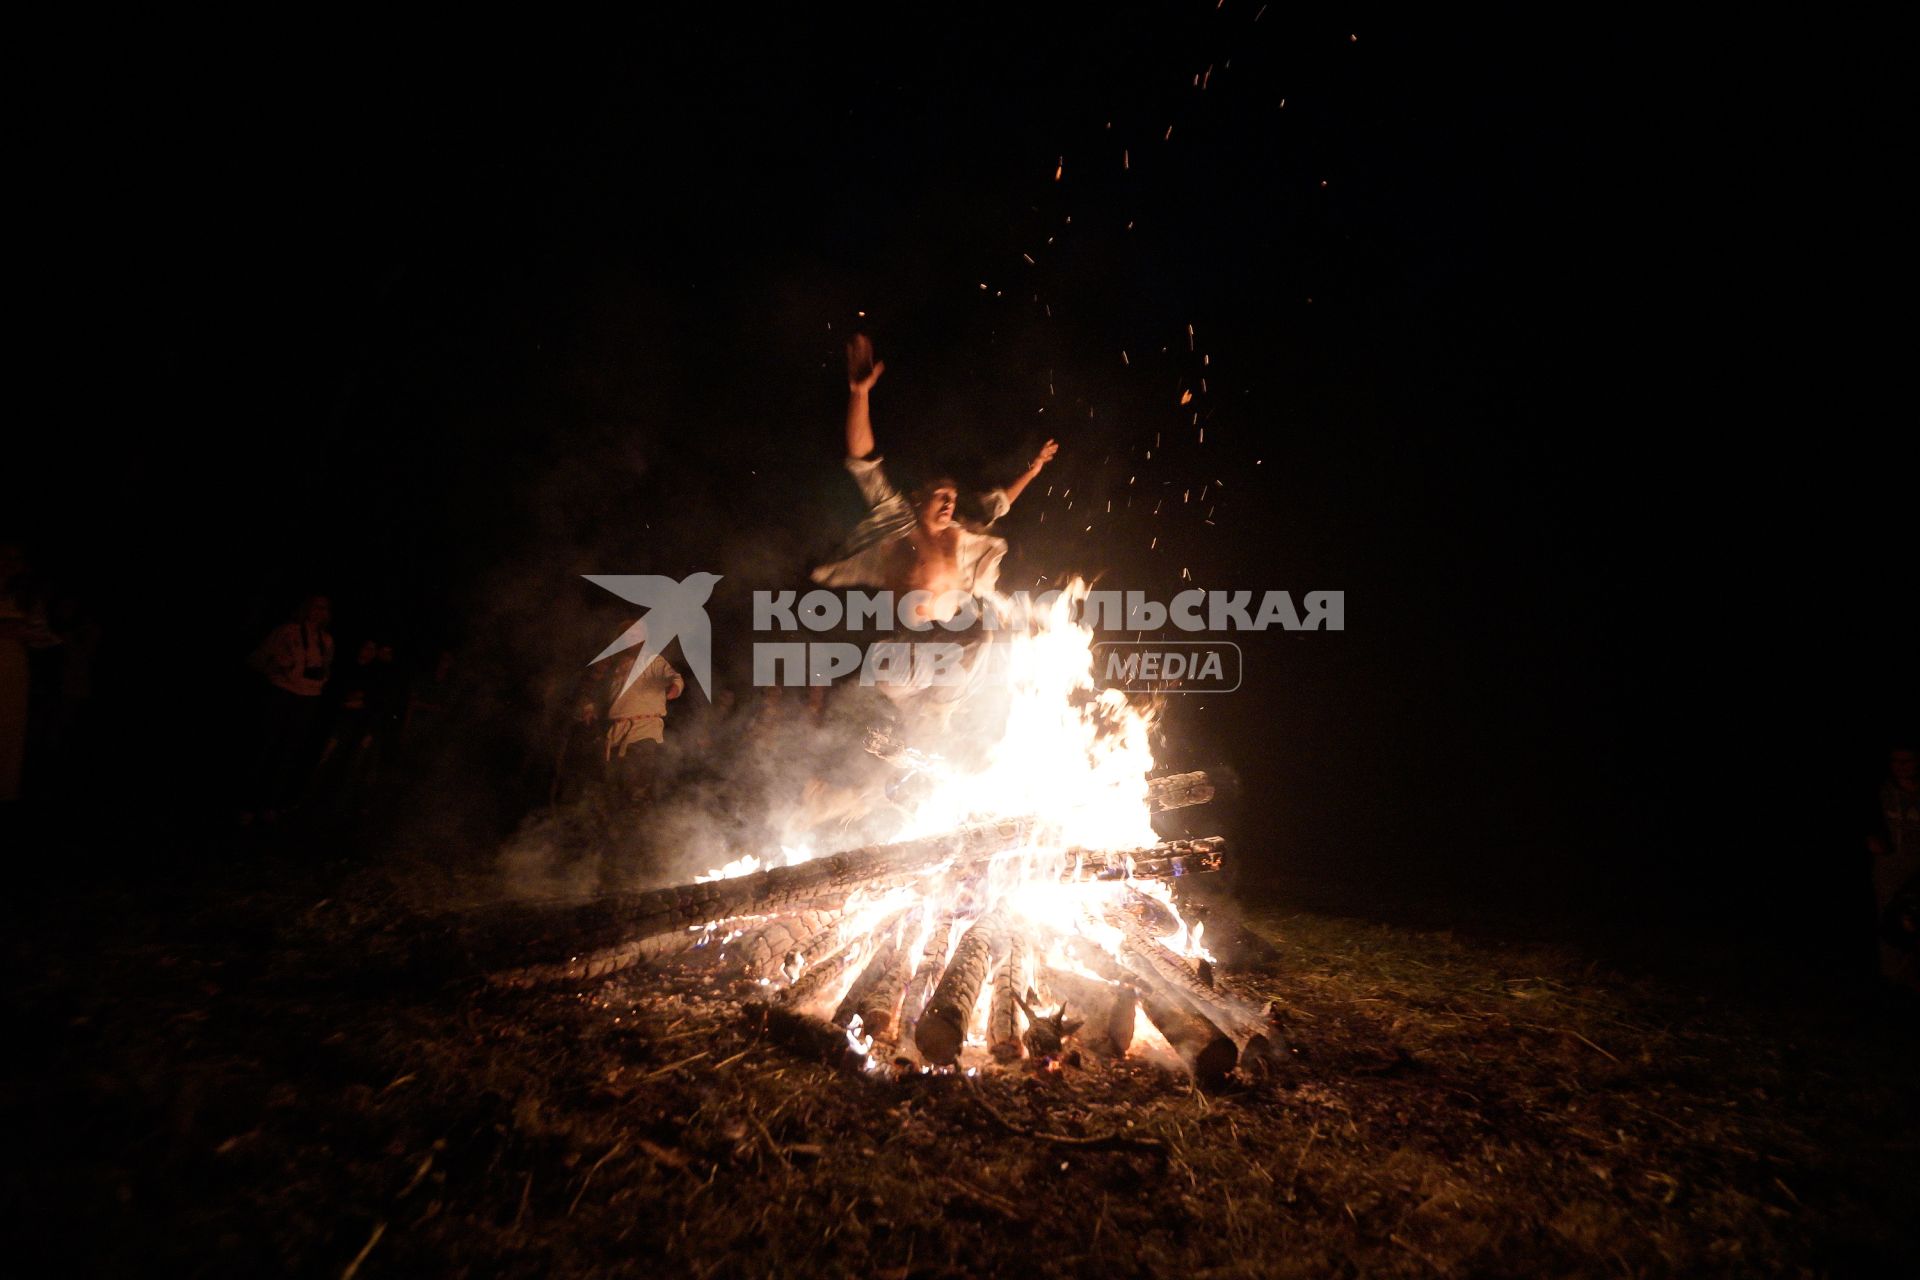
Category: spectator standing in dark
[1895,848]
[637,727]
[348,722]
[296,660]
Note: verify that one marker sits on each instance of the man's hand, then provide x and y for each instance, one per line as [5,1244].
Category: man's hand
[862,369]
[1021,481]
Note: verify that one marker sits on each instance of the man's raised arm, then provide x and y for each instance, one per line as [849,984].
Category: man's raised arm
[862,372]
[1040,460]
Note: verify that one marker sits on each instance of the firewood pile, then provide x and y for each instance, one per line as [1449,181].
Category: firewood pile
[976,948]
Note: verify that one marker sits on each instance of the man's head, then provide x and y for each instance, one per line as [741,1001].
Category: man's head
[315,611]
[934,503]
[1903,763]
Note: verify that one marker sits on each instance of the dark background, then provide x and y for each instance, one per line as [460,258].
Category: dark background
[437,325]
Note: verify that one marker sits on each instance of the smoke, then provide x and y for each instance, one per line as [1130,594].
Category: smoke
[516,795]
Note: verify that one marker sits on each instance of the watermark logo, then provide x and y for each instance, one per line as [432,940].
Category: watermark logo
[1171,666]
[677,610]
[951,635]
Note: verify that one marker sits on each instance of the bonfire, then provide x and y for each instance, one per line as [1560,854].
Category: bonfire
[1026,916]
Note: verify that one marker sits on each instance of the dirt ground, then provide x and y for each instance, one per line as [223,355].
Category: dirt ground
[225,1079]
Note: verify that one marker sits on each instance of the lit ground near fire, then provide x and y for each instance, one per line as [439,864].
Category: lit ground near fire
[229,1082]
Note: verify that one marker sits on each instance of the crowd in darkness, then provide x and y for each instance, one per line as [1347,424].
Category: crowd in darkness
[326,724]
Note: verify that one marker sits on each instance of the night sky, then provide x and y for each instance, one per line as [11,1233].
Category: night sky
[437,329]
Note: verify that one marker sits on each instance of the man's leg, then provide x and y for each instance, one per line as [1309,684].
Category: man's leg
[630,775]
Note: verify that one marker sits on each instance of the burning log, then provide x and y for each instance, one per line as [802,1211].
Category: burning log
[879,1011]
[1168,860]
[1179,791]
[762,952]
[590,962]
[942,1030]
[1011,981]
[806,1034]
[885,953]
[1106,1009]
[1204,1049]
[516,944]
[933,959]
[1148,956]
[819,976]
[515,935]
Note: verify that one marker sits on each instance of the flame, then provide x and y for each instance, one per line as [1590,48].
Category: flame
[1073,760]
[1073,755]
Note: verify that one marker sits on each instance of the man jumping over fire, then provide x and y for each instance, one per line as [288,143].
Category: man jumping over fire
[916,542]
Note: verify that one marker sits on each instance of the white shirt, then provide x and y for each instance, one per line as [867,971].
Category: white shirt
[863,560]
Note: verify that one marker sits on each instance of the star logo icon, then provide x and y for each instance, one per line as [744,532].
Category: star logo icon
[676,611]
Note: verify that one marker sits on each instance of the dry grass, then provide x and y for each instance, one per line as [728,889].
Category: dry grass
[230,1093]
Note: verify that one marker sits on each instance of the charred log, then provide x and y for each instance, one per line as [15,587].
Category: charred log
[855,949]
[1011,980]
[1204,1048]
[884,954]
[808,1035]
[762,952]
[1145,954]
[1206,1051]
[527,945]
[518,935]
[1106,1010]
[1169,860]
[879,1010]
[933,959]
[942,1030]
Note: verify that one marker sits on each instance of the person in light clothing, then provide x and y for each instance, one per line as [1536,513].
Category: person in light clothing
[915,542]
[637,726]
